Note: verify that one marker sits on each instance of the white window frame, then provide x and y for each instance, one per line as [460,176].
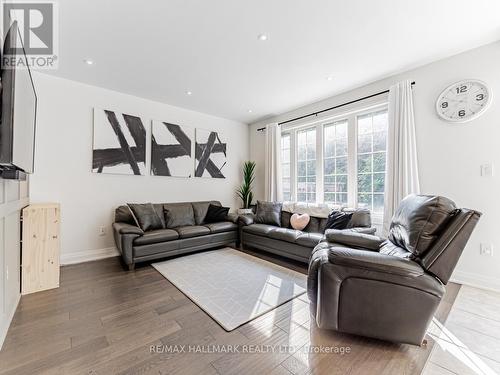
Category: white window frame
[351,115]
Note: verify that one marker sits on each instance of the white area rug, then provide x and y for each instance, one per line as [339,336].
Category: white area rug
[232,287]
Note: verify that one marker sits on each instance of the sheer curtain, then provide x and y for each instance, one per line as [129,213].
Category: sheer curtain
[273,188]
[401,177]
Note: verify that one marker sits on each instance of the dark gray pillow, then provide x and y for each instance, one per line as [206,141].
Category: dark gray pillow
[145,216]
[216,214]
[361,218]
[268,213]
[178,214]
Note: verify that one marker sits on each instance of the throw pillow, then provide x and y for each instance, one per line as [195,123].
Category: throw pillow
[299,222]
[178,214]
[216,214]
[268,213]
[338,220]
[145,216]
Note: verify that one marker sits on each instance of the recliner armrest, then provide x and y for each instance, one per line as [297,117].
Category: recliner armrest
[246,219]
[374,261]
[365,230]
[125,228]
[354,239]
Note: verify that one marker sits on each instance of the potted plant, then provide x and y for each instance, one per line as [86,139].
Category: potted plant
[244,192]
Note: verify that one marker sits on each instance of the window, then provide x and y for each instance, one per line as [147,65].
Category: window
[306,165]
[371,153]
[335,163]
[339,161]
[285,163]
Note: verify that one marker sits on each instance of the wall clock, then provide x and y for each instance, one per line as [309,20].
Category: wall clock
[463,101]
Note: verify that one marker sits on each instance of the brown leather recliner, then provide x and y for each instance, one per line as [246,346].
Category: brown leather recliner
[390,289]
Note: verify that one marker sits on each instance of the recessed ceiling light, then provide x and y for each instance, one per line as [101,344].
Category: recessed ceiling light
[262,37]
[189,93]
[329,78]
[249,111]
[88,61]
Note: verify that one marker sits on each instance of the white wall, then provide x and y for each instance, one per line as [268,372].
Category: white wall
[13,197]
[449,155]
[64,158]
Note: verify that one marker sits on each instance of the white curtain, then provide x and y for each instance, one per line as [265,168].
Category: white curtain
[401,177]
[273,189]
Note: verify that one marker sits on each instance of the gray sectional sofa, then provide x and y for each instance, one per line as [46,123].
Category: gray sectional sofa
[291,243]
[192,235]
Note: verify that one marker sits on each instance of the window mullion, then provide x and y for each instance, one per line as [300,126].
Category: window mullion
[319,164]
[352,177]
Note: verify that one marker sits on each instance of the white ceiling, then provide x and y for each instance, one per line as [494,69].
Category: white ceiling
[161,49]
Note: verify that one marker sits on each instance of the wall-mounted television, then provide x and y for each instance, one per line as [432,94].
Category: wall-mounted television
[18,107]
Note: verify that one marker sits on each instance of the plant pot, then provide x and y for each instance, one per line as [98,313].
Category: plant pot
[244,211]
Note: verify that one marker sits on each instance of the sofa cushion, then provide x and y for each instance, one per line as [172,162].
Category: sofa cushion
[178,214]
[216,214]
[192,231]
[124,215]
[224,226]
[285,234]
[268,213]
[259,229]
[418,221]
[161,213]
[285,219]
[309,239]
[145,216]
[361,218]
[314,225]
[156,236]
[200,210]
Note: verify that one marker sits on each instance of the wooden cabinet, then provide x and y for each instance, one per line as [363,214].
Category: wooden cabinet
[40,247]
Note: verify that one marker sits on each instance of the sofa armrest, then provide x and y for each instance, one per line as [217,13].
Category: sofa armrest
[246,219]
[124,235]
[374,261]
[125,228]
[353,239]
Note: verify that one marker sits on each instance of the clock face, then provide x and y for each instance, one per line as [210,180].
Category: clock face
[463,101]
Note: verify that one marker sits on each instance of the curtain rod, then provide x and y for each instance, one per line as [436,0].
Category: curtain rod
[331,108]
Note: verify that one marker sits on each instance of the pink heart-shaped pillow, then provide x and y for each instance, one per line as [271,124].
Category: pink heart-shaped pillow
[299,222]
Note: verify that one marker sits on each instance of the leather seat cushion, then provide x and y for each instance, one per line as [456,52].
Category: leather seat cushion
[309,239]
[156,236]
[223,226]
[192,231]
[285,234]
[419,220]
[259,229]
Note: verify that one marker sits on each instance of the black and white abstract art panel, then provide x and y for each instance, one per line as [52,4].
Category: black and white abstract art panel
[171,153]
[119,143]
[210,153]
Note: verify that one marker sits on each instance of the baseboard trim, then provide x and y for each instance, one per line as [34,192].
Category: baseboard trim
[476,281]
[5,328]
[88,256]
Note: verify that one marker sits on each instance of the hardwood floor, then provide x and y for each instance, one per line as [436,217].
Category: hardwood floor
[104,320]
[469,341]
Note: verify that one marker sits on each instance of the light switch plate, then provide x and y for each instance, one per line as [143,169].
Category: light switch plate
[487,170]
[486,249]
